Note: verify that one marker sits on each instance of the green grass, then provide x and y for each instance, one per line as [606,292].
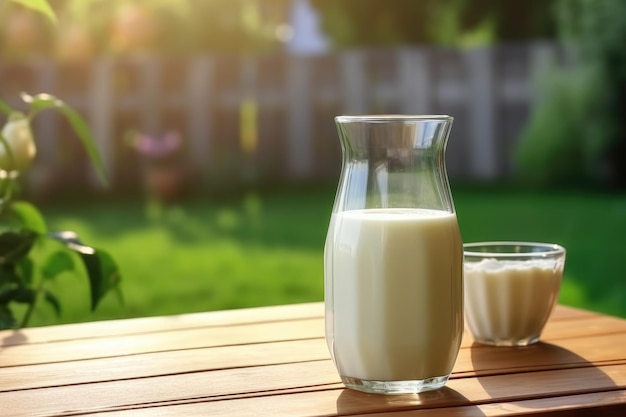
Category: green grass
[590,226]
[266,248]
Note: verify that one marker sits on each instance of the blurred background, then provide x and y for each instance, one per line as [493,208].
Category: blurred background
[215,122]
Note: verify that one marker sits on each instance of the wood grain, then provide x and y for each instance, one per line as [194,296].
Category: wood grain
[477,360]
[160,324]
[274,361]
[493,394]
[244,329]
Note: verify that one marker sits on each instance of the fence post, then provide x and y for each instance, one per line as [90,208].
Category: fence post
[100,104]
[46,128]
[150,88]
[482,149]
[47,123]
[352,71]
[469,89]
[543,57]
[299,125]
[413,81]
[198,101]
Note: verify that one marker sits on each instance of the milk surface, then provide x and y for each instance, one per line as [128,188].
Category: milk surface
[394,293]
[509,302]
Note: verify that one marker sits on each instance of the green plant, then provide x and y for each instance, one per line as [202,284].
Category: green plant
[30,255]
[578,131]
[41,6]
[351,23]
[562,142]
[253,249]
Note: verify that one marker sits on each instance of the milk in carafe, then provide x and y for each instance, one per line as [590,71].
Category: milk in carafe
[396,292]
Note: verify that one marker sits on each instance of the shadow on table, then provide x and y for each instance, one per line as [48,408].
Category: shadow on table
[356,402]
[16,337]
[541,360]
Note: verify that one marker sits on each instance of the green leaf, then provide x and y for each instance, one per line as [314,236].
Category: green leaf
[26,270]
[46,101]
[120,295]
[41,102]
[41,6]
[52,299]
[81,128]
[25,295]
[7,149]
[57,263]
[7,294]
[5,108]
[9,275]
[102,271]
[15,245]
[66,237]
[103,274]
[29,216]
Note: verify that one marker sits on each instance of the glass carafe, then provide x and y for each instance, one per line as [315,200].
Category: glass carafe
[393,259]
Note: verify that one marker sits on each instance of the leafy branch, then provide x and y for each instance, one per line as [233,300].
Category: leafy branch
[31,256]
[46,101]
[41,6]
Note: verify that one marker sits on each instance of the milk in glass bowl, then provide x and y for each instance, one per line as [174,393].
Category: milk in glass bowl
[510,290]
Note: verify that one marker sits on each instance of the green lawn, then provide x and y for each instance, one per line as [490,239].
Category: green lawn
[266,248]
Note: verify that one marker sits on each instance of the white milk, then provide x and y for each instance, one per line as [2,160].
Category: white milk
[509,302]
[394,293]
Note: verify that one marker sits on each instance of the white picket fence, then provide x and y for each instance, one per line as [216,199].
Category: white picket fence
[489,91]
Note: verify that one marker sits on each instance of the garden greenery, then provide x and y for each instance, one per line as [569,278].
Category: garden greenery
[31,256]
[578,132]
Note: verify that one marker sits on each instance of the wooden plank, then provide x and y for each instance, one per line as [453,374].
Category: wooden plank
[562,312]
[208,393]
[145,325]
[122,393]
[477,360]
[161,363]
[593,324]
[566,353]
[69,350]
[195,320]
[161,323]
[190,372]
[212,336]
[606,404]
[590,325]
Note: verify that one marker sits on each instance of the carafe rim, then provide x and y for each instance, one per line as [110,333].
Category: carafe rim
[385,118]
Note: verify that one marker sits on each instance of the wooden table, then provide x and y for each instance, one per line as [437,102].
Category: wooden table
[273,361]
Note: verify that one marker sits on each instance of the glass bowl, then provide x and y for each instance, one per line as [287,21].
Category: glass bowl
[511,289]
